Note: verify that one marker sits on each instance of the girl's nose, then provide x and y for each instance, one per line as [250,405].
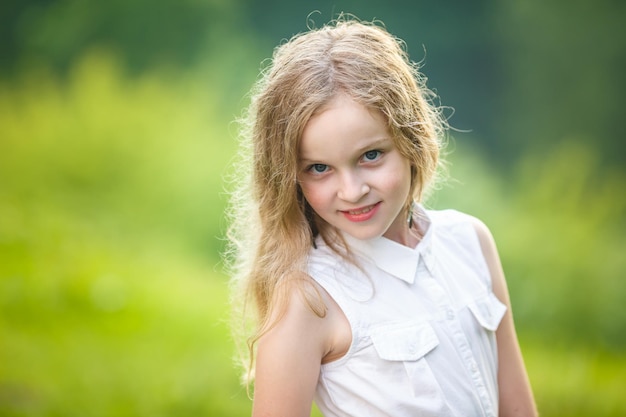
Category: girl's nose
[352,188]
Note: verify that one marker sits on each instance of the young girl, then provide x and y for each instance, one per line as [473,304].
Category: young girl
[361,299]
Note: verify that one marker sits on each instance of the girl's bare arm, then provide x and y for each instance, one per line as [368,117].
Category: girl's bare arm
[516,398]
[288,362]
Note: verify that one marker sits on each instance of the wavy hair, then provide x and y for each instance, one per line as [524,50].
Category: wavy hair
[272,228]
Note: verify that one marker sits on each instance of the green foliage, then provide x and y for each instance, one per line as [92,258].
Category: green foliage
[111,299]
[563,75]
[573,228]
[144,33]
[152,155]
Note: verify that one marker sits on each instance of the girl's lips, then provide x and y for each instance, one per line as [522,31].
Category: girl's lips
[361,214]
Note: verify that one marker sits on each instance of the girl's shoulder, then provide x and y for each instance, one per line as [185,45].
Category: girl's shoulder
[456,221]
[461,232]
[448,216]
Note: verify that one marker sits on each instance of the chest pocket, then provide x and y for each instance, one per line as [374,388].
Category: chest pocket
[406,347]
[404,342]
[488,311]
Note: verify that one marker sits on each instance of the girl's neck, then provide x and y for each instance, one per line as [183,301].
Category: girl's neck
[405,232]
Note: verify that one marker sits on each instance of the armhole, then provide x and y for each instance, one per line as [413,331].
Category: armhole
[477,224]
[470,226]
[332,292]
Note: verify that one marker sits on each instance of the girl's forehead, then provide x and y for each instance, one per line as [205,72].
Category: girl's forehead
[343,127]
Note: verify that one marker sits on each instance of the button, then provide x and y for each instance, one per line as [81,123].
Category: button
[450,314]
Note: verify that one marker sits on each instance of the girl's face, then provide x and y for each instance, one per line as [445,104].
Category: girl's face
[351,172]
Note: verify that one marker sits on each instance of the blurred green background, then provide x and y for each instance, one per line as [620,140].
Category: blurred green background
[116,133]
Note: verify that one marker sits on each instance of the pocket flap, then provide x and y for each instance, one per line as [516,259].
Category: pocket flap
[404,342]
[489,311]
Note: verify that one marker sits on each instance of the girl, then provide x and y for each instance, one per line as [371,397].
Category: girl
[360,299]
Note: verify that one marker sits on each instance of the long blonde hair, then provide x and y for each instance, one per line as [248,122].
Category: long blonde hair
[272,228]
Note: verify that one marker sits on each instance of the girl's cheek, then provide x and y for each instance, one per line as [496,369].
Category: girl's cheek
[317,196]
[315,200]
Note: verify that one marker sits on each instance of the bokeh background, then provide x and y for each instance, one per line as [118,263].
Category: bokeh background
[116,133]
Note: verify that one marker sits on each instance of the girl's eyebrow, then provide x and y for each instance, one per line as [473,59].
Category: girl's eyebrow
[375,144]
[384,141]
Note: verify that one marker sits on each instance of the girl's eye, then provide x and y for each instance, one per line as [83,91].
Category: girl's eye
[318,168]
[371,155]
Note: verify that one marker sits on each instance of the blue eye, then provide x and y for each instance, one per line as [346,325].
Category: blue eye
[371,155]
[318,168]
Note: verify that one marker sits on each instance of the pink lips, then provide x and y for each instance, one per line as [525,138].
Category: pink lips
[361,214]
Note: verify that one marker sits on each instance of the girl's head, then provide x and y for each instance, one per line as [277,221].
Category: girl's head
[272,232]
[362,61]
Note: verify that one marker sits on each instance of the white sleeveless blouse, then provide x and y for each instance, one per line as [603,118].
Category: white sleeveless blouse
[422,320]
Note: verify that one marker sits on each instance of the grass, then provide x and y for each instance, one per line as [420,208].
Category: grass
[576,380]
[146,336]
